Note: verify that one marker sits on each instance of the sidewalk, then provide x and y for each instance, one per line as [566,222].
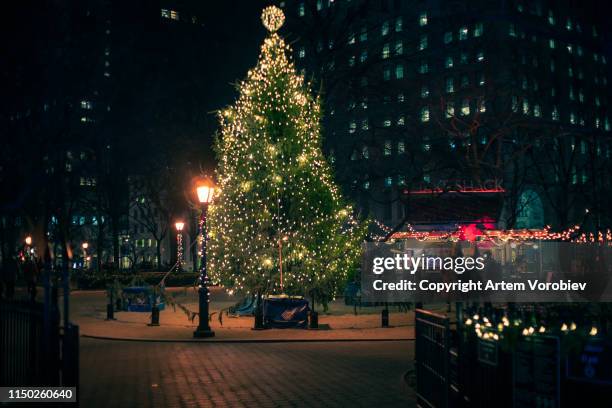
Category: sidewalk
[88,310]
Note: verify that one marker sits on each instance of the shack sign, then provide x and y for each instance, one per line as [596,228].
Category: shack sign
[593,364]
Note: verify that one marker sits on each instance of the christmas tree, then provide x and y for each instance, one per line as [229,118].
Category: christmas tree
[278,208]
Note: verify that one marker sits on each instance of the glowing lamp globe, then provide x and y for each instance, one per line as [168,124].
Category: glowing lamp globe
[85,245]
[205,190]
[179,225]
[28,240]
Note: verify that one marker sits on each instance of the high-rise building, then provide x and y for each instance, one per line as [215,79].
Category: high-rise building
[444,112]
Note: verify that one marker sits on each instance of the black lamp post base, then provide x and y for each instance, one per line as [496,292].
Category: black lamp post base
[200,334]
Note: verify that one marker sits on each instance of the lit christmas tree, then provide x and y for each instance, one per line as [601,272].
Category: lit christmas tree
[278,208]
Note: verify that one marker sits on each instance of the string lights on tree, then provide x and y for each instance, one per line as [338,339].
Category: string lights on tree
[275,183]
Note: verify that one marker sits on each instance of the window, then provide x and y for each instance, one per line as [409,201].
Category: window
[572,118]
[512,30]
[581,96]
[554,114]
[481,79]
[401,120]
[423,42]
[448,37]
[399,71]
[165,13]
[400,97]
[424,91]
[352,127]
[465,107]
[366,185]
[552,65]
[425,114]
[551,44]
[386,73]
[399,22]
[387,149]
[351,39]
[388,181]
[384,29]
[174,15]
[319,5]
[363,34]
[401,180]
[568,24]
[351,61]
[480,56]
[302,52]
[450,109]
[364,56]
[85,104]
[301,10]
[365,153]
[570,48]
[463,33]
[571,93]
[448,62]
[387,123]
[450,86]
[401,148]
[537,111]
[423,18]
[579,51]
[514,103]
[463,58]
[399,48]
[525,107]
[365,125]
[385,51]
[478,30]
[551,17]
[482,106]
[465,81]
[423,67]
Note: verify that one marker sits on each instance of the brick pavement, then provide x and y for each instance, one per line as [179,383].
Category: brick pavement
[143,374]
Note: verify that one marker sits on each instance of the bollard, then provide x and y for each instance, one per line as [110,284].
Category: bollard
[385,317]
[110,312]
[154,316]
[314,319]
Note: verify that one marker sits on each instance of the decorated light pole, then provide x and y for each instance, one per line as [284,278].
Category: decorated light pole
[179,244]
[205,191]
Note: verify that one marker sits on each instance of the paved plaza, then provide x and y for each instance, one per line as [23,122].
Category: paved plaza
[178,374]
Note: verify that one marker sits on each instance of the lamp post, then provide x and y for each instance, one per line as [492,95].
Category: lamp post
[179,244]
[85,245]
[205,191]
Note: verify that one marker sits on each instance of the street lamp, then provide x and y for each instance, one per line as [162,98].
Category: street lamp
[205,191]
[179,244]
[28,240]
[85,245]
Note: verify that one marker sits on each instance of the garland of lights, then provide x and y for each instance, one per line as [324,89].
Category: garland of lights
[275,183]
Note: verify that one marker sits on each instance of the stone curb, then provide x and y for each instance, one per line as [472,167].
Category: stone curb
[220,341]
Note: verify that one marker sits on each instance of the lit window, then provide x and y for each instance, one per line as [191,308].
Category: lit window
[597,101]
[551,18]
[388,181]
[319,5]
[363,34]
[174,15]
[387,150]
[423,19]
[465,107]
[423,67]
[399,71]
[400,97]
[365,125]
[424,91]
[552,65]
[351,39]
[512,30]
[581,96]
[450,109]
[399,24]
[554,115]
[401,148]
[384,30]
[537,112]
[448,62]
[525,107]
[399,48]
[570,48]
[302,52]
[571,93]
[401,120]
[352,127]
[365,153]
[514,103]
[301,10]
[351,61]
[401,180]
[387,123]
[463,58]
[366,185]
[448,37]
[423,43]
[364,56]
[568,24]
[480,56]
[579,51]
[482,106]
[465,81]
[481,79]
[424,114]
[463,33]
[450,86]
[85,104]
[572,118]
[165,13]
[386,73]
[385,51]
[478,30]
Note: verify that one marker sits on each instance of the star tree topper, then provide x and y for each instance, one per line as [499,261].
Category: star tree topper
[272,18]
